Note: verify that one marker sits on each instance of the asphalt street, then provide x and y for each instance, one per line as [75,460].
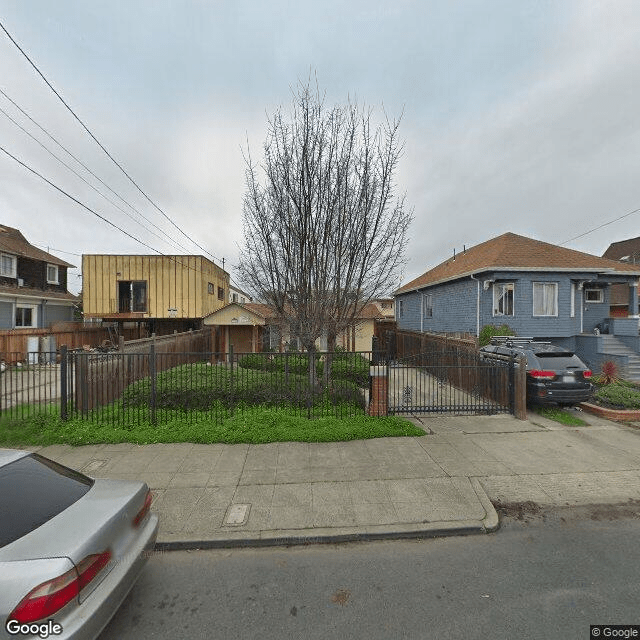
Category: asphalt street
[547,574]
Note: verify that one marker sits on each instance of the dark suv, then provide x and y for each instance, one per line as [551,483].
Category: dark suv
[554,375]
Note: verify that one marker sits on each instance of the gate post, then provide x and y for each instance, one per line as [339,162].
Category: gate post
[512,385]
[378,402]
[63,382]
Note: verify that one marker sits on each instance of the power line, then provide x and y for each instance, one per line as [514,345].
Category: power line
[604,224]
[84,206]
[95,213]
[84,166]
[84,126]
[62,162]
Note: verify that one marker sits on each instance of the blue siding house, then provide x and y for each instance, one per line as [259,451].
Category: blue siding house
[536,288]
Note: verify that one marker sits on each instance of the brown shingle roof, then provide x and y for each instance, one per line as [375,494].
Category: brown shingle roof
[623,249]
[12,241]
[38,293]
[513,252]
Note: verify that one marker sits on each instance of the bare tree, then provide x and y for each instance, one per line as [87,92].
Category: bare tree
[324,232]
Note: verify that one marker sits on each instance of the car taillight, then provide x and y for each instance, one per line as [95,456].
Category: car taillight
[49,597]
[586,373]
[538,374]
[140,516]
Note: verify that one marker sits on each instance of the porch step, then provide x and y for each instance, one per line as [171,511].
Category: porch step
[612,346]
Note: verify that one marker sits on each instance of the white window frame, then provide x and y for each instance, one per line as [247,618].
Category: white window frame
[14,263]
[597,290]
[573,299]
[57,276]
[544,286]
[34,315]
[498,292]
[400,308]
[427,305]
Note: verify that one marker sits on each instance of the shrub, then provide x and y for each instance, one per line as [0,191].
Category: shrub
[490,330]
[199,387]
[620,394]
[609,373]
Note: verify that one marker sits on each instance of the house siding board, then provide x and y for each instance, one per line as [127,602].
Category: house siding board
[173,282]
[454,305]
[454,308]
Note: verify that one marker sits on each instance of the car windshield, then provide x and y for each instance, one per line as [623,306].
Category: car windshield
[560,360]
[33,490]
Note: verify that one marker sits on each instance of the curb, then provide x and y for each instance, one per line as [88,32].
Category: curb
[327,536]
[491,521]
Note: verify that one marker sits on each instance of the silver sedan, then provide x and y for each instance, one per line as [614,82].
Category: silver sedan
[71,547]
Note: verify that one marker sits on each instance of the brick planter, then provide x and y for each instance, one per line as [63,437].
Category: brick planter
[617,415]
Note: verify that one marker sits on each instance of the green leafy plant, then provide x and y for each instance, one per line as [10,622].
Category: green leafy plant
[490,330]
[619,394]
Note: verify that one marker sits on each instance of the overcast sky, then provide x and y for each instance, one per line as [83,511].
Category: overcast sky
[518,116]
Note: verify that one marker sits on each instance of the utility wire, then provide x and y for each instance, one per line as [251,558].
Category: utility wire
[604,224]
[62,162]
[84,126]
[86,168]
[84,206]
[95,213]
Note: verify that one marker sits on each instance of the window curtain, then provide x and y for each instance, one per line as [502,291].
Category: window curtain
[544,298]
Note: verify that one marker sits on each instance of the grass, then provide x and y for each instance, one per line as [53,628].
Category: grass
[561,415]
[256,425]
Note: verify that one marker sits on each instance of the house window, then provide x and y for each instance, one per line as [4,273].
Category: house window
[132,296]
[400,308]
[234,297]
[210,288]
[545,298]
[220,293]
[593,295]
[503,299]
[7,265]
[26,316]
[427,305]
[52,274]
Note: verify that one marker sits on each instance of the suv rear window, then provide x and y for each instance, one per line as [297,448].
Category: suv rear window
[560,361]
[33,490]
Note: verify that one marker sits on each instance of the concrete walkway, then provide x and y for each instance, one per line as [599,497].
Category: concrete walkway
[437,484]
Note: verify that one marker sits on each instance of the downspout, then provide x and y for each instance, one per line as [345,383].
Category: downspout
[580,289]
[477,306]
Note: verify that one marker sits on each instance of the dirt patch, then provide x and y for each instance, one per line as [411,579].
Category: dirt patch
[529,511]
[523,511]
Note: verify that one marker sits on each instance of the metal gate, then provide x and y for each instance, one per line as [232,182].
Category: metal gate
[450,381]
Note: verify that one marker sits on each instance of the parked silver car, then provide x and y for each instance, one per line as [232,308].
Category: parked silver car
[71,547]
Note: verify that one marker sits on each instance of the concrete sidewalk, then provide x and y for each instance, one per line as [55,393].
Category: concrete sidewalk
[438,484]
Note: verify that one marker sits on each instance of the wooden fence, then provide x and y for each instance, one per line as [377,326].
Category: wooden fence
[101,378]
[14,343]
[457,355]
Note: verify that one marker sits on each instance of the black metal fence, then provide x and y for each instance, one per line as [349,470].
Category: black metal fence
[450,381]
[132,388]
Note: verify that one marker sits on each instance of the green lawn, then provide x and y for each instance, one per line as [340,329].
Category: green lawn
[265,399]
[252,425]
